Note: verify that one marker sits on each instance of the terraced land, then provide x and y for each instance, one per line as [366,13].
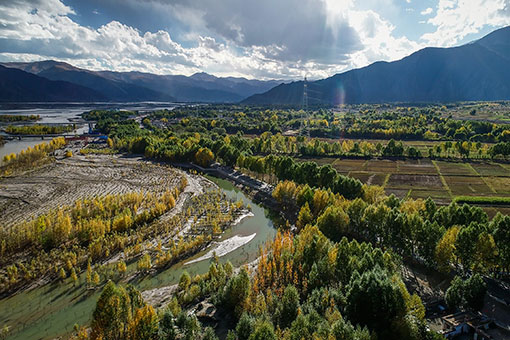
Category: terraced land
[440,180]
[65,181]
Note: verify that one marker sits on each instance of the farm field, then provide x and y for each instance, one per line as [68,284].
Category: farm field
[441,180]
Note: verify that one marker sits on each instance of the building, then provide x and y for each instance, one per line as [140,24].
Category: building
[472,326]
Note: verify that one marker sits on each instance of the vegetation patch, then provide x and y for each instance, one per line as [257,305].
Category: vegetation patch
[38,129]
[31,157]
[19,118]
[492,200]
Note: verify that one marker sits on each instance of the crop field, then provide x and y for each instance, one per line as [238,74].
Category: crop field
[440,180]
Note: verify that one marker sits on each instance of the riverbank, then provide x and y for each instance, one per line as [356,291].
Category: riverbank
[259,191]
[55,307]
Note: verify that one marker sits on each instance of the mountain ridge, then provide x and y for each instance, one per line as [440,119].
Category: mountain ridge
[139,86]
[479,70]
[20,86]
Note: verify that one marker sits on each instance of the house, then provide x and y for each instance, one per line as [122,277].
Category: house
[475,326]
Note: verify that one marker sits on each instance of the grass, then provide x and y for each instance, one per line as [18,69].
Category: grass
[468,185]
[482,182]
[441,194]
[491,169]
[492,200]
[500,184]
[441,177]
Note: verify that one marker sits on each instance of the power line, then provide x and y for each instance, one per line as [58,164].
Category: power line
[305,105]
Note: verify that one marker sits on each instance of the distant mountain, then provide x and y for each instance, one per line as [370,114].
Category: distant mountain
[111,89]
[20,86]
[476,71]
[200,87]
[138,86]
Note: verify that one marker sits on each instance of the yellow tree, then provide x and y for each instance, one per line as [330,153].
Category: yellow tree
[96,279]
[486,253]
[373,193]
[74,277]
[445,249]
[89,273]
[144,324]
[204,157]
[305,216]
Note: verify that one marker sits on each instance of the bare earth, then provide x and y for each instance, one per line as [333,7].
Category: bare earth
[64,181]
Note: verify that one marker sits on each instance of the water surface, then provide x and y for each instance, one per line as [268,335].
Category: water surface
[52,310]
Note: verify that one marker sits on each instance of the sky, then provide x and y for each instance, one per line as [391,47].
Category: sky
[263,39]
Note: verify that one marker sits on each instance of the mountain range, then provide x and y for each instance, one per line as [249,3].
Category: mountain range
[19,86]
[476,71]
[86,85]
[479,70]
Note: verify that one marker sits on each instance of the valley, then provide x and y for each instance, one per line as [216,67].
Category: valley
[142,209]
[254,170]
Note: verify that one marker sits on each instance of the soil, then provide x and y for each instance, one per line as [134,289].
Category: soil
[62,182]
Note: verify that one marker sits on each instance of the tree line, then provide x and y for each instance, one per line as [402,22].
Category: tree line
[305,286]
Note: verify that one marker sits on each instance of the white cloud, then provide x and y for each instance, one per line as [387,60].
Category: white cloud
[455,19]
[427,11]
[377,35]
[263,39]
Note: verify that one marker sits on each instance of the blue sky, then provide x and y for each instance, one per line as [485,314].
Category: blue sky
[265,39]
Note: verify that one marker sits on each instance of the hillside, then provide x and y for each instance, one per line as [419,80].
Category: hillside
[138,86]
[476,71]
[111,89]
[17,85]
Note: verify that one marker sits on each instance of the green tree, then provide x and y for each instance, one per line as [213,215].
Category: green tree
[245,327]
[237,291]
[166,326]
[468,293]
[465,244]
[209,334]
[454,296]
[289,306]
[333,222]
[304,217]
[374,300]
[502,239]
[263,331]
[474,290]
[300,328]
[112,314]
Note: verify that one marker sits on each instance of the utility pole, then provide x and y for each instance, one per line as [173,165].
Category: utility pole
[305,105]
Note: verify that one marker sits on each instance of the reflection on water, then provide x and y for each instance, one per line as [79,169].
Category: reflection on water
[64,113]
[52,310]
[16,146]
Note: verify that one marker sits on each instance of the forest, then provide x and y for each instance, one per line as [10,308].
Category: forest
[334,269]
[335,274]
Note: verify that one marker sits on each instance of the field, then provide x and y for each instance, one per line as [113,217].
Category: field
[68,180]
[441,180]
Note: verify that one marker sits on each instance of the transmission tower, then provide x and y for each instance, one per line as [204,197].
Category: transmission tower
[305,106]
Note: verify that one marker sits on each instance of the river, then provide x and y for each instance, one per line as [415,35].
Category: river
[53,309]
[63,113]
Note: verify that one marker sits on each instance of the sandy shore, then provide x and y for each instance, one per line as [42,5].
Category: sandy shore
[224,247]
